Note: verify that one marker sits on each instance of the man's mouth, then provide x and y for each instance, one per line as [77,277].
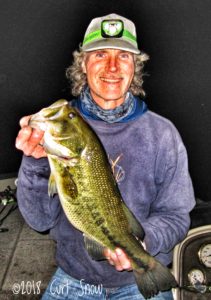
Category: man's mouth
[111,80]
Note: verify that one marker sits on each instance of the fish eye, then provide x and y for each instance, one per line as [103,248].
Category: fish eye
[72,115]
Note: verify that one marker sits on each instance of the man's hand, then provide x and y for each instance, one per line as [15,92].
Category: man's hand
[118,259]
[29,140]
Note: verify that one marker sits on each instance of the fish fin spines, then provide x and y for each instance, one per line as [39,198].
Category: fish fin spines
[52,189]
[135,226]
[95,250]
[150,282]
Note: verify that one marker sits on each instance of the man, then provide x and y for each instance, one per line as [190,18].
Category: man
[146,153]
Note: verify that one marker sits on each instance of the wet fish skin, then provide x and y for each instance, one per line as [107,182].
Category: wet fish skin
[89,195]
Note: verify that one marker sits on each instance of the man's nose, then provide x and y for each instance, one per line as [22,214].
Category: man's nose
[113,64]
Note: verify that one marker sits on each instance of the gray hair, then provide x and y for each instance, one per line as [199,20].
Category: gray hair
[78,79]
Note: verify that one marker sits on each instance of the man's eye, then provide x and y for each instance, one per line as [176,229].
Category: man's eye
[100,54]
[124,55]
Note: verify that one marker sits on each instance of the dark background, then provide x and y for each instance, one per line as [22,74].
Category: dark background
[37,39]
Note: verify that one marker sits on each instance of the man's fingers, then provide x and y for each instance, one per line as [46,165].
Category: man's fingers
[36,136]
[29,141]
[39,152]
[32,146]
[119,259]
[115,260]
[123,260]
[23,136]
[107,253]
[24,121]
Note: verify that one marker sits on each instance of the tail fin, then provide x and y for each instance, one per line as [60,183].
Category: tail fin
[152,281]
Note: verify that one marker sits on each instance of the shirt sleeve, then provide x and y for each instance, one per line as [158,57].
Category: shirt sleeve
[168,221]
[39,210]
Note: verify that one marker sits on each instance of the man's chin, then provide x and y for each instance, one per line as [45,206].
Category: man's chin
[108,100]
[112,96]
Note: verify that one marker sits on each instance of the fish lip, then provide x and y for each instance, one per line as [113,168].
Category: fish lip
[37,122]
[57,138]
[65,157]
[61,157]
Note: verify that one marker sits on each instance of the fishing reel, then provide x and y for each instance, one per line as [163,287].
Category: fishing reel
[8,196]
[7,199]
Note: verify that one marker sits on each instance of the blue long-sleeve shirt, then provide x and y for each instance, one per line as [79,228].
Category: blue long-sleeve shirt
[150,163]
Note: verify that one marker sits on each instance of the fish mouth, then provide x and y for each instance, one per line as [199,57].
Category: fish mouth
[64,157]
[38,122]
[70,161]
[60,138]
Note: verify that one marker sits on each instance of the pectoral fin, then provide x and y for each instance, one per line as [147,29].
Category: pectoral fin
[95,250]
[135,226]
[52,189]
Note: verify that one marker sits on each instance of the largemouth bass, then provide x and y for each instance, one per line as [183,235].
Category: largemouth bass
[82,177]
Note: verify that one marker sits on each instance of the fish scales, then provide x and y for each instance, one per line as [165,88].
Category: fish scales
[88,205]
[88,192]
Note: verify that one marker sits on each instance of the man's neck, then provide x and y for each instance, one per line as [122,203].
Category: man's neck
[107,103]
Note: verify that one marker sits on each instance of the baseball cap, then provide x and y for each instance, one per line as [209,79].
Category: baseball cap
[111,31]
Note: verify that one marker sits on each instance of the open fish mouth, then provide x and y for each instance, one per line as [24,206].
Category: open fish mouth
[38,122]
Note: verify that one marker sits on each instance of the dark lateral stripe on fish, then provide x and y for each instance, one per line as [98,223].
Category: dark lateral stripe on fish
[100,221]
[109,236]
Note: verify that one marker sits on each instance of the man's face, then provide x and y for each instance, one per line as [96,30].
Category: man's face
[109,75]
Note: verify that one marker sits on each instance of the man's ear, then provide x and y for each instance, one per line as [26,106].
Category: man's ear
[83,67]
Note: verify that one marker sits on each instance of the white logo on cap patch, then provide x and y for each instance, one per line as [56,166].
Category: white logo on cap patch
[112,27]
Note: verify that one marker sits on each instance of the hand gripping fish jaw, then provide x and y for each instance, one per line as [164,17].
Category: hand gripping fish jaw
[61,135]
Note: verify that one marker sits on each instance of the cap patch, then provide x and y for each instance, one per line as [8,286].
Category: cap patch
[112,28]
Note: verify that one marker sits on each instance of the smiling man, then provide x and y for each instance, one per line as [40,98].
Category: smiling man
[147,156]
[109,75]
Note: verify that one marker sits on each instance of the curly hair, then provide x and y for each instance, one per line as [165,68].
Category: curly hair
[78,79]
